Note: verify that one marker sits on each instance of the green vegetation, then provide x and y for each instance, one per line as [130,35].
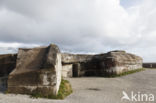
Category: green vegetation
[150,68]
[6,92]
[64,90]
[125,73]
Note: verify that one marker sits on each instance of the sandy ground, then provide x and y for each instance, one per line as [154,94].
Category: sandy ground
[98,90]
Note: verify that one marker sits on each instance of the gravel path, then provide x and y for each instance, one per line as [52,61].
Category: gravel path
[98,90]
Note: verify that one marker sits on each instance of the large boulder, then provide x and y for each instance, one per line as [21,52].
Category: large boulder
[38,70]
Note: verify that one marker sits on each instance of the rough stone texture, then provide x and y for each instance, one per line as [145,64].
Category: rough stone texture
[149,65]
[115,62]
[68,61]
[38,70]
[75,58]
[7,64]
[67,70]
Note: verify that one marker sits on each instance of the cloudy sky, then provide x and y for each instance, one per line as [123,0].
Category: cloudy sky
[80,26]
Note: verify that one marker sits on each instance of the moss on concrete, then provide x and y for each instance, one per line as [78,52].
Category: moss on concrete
[64,90]
[125,73]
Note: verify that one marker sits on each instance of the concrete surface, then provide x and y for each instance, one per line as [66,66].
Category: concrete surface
[38,70]
[98,90]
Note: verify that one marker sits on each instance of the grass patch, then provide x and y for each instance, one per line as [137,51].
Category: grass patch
[64,90]
[125,73]
[6,92]
[150,68]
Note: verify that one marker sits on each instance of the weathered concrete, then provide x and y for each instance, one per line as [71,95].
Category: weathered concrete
[68,60]
[75,58]
[67,70]
[115,62]
[38,70]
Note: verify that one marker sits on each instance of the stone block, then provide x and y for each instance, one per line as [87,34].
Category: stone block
[38,70]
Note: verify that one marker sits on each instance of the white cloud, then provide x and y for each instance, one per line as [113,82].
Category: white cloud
[80,25]
[6,48]
[17,45]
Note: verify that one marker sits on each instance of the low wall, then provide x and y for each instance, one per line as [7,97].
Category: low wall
[149,65]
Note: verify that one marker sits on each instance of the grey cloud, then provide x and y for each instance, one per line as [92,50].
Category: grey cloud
[80,25]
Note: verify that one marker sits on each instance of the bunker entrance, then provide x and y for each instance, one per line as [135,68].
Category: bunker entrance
[4,79]
[87,70]
[7,64]
[4,73]
[3,83]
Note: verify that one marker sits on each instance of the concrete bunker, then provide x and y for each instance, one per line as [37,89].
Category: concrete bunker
[111,63]
[40,69]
